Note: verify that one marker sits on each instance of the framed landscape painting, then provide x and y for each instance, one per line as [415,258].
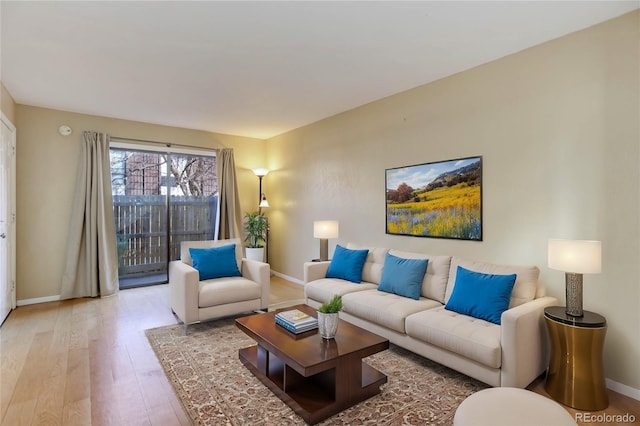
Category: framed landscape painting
[439,200]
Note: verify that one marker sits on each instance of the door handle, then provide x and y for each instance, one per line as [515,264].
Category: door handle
[3,235]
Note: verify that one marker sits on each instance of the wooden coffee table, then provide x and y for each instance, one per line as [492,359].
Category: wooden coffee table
[316,377]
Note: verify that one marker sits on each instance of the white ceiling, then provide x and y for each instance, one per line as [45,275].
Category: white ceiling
[259,68]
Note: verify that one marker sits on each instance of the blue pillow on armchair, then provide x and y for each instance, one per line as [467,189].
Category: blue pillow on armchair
[215,262]
[347,264]
[483,296]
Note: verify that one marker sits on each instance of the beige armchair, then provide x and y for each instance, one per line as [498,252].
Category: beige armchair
[194,301]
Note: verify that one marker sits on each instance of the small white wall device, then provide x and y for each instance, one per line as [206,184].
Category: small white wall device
[65,130]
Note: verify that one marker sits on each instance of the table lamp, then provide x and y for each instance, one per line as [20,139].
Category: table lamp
[574,257]
[325,229]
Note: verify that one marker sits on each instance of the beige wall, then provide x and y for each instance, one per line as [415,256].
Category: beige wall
[557,126]
[46,169]
[7,104]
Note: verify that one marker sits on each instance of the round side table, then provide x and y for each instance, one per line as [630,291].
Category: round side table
[576,376]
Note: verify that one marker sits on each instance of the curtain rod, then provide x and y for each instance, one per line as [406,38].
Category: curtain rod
[167,144]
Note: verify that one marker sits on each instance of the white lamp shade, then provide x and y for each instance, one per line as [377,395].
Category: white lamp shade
[577,256]
[263,203]
[260,172]
[325,229]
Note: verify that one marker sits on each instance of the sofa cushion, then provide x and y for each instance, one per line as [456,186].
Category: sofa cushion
[372,269]
[434,284]
[227,290]
[403,276]
[324,289]
[524,289]
[470,337]
[385,309]
[484,296]
[347,264]
[215,262]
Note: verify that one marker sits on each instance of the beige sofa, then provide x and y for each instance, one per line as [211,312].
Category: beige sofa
[193,300]
[511,354]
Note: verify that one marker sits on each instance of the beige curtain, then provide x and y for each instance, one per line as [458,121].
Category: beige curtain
[91,264]
[229,214]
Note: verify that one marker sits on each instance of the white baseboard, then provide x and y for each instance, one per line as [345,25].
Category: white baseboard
[25,302]
[623,389]
[287,277]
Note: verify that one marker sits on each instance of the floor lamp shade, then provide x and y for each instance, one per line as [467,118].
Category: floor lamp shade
[325,229]
[575,257]
[260,172]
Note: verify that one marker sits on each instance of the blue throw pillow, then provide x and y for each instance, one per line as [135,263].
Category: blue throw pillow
[215,262]
[347,264]
[484,296]
[403,276]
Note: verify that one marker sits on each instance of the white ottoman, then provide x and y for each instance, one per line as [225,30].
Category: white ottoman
[510,407]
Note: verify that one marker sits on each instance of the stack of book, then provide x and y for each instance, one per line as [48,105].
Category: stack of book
[296,321]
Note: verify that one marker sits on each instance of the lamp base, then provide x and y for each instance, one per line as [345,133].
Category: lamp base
[324,249]
[573,294]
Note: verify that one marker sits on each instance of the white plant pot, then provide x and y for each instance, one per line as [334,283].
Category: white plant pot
[255,253]
[327,325]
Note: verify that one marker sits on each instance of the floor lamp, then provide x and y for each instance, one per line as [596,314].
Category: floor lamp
[262,204]
[262,199]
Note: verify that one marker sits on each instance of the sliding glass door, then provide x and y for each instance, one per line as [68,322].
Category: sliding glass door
[159,200]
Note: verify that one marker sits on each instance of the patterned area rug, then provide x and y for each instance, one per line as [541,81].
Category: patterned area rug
[216,389]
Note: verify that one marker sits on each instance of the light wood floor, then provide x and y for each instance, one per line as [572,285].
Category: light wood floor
[88,362]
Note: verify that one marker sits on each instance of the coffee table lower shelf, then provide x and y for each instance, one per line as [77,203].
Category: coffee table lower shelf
[318,396]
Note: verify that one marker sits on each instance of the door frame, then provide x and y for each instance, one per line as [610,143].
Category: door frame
[12,213]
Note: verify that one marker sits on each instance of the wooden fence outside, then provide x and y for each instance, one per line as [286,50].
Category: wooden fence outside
[141,229]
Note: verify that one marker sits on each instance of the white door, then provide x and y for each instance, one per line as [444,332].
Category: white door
[7,217]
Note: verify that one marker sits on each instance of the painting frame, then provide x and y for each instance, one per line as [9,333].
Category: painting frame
[439,199]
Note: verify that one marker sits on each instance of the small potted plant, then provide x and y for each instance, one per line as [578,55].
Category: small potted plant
[328,317]
[256,228]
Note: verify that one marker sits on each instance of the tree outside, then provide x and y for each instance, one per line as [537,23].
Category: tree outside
[146,173]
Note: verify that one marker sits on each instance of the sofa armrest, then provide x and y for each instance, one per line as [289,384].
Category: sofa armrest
[525,342]
[315,270]
[260,273]
[183,291]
